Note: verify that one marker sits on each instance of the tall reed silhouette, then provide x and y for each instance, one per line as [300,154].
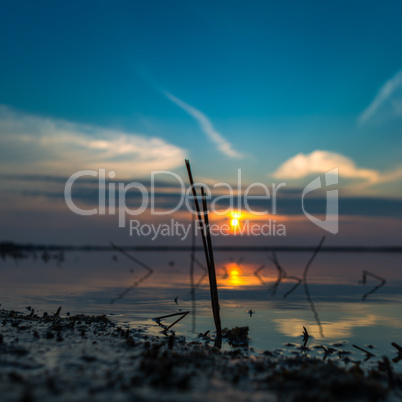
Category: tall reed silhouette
[192,283]
[209,255]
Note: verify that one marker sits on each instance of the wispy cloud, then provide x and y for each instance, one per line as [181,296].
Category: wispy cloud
[222,143]
[318,162]
[388,100]
[37,145]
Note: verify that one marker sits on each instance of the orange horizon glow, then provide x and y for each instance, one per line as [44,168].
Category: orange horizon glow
[235,276]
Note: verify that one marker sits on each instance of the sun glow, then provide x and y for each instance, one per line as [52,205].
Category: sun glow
[235,221]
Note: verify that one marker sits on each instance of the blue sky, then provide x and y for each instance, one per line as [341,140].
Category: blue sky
[229,84]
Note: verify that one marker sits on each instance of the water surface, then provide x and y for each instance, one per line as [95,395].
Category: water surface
[334,306]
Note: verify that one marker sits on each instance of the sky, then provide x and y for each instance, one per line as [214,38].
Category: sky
[285,91]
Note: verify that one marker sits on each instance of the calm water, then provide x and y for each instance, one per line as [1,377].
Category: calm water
[334,312]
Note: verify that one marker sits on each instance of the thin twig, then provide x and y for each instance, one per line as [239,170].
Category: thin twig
[282,275]
[256,273]
[137,282]
[399,349]
[306,289]
[131,287]
[158,319]
[368,354]
[299,281]
[202,277]
[378,278]
[312,258]
[140,263]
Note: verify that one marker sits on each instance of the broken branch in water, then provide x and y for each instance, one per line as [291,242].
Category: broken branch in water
[282,275]
[399,349]
[305,283]
[378,278]
[298,282]
[166,328]
[256,273]
[136,283]
[368,354]
[204,274]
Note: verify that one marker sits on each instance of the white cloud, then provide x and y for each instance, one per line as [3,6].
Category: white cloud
[31,144]
[319,162]
[206,126]
[387,102]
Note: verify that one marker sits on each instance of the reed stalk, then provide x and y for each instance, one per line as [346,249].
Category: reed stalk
[209,256]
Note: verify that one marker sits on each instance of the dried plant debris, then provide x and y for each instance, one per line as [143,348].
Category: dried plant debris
[77,357]
[237,336]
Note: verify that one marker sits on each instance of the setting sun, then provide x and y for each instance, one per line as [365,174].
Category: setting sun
[235,222]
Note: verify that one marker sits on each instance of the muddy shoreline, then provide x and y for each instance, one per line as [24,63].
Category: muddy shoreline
[55,357]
